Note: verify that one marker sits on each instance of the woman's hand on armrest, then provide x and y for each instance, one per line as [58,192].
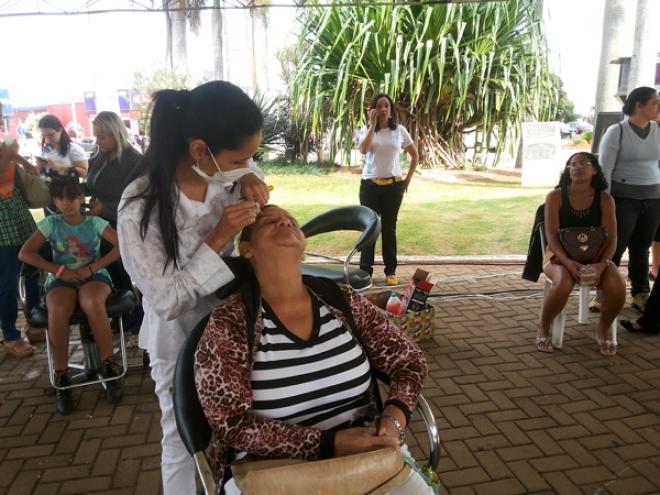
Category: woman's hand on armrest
[357,440]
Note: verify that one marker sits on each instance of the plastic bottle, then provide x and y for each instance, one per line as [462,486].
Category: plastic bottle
[393,304]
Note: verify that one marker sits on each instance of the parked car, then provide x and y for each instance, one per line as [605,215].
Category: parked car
[88,144]
[567,130]
[581,126]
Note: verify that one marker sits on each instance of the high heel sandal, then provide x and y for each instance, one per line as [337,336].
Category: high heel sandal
[544,344]
[606,347]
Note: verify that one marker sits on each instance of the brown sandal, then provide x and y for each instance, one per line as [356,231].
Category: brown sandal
[18,348]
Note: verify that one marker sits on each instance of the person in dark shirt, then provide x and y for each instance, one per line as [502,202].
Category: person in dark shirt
[110,170]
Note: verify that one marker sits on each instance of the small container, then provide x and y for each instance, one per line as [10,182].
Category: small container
[588,275]
[393,305]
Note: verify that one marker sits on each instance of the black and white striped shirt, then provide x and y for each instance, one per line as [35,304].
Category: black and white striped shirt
[320,383]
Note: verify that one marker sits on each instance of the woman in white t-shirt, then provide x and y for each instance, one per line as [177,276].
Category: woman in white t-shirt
[382,186]
[58,152]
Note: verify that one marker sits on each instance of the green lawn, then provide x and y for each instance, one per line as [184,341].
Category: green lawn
[478,216]
[435,219]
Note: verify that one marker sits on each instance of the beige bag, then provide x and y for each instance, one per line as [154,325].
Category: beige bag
[372,473]
[33,188]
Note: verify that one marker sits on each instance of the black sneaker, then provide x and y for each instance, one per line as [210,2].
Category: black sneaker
[63,398]
[114,391]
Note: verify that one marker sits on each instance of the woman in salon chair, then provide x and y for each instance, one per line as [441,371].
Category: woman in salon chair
[298,383]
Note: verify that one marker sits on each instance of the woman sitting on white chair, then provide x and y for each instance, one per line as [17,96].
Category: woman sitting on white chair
[298,383]
[580,200]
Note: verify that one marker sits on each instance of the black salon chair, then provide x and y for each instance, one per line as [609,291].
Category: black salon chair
[196,432]
[118,304]
[356,218]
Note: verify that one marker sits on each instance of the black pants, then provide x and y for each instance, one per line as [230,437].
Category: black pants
[637,222]
[121,280]
[386,201]
[651,318]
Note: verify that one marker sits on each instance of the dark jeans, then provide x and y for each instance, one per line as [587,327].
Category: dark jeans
[651,318]
[122,281]
[637,222]
[10,269]
[386,201]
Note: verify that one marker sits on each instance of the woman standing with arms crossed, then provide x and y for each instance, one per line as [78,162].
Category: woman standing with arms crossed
[629,153]
[175,223]
[382,186]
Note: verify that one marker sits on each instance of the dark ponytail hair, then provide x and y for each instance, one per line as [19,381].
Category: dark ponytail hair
[51,122]
[598,181]
[639,95]
[218,113]
[391,123]
[66,185]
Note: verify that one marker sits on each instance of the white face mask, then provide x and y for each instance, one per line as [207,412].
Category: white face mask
[221,178]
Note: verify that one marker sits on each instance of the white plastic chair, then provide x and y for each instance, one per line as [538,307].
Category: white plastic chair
[558,324]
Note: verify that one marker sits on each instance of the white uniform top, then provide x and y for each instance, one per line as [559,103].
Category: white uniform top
[75,154]
[382,160]
[176,299]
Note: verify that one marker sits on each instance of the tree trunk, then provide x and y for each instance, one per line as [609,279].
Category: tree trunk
[179,42]
[643,61]
[608,73]
[259,62]
[217,35]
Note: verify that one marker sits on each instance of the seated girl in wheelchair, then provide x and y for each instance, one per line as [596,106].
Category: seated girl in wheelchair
[76,276]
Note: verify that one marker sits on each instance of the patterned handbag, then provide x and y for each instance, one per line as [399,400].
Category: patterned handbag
[583,244]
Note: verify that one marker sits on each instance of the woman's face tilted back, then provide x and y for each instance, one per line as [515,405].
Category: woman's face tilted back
[275,238]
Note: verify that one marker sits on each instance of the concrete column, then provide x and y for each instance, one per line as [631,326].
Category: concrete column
[645,44]
[608,74]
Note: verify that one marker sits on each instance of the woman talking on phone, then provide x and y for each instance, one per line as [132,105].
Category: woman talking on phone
[382,186]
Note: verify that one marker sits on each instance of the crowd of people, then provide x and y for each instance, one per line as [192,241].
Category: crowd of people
[283,372]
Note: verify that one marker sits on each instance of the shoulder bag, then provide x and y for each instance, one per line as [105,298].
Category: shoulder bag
[583,244]
[33,188]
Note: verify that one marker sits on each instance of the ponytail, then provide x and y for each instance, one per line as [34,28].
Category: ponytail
[217,112]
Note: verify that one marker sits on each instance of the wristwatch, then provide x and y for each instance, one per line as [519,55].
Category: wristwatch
[397,425]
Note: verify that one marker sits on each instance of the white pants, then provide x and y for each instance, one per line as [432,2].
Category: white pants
[177,465]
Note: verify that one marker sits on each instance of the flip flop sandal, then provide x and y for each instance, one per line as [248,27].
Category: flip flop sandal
[606,347]
[544,344]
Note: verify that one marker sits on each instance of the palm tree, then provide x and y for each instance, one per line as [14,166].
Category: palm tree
[217,35]
[178,14]
[452,69]
[608,74]
[258,38]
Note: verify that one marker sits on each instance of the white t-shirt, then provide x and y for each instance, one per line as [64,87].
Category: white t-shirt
[75,154]
[382,159]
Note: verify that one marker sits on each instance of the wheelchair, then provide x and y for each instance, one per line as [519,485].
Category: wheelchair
[118,304]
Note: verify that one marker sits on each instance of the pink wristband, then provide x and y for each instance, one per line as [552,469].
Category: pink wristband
[60,271]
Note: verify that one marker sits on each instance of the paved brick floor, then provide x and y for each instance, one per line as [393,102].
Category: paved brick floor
[512,420]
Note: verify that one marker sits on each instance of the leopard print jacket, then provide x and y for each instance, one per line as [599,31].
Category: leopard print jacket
[223,366]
